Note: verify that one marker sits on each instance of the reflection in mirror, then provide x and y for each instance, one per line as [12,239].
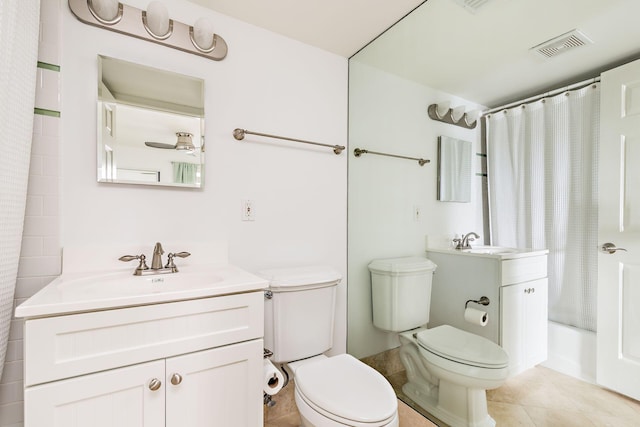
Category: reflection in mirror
[454,170]
[150,125]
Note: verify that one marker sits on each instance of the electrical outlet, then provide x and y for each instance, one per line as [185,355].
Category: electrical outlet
[248,211]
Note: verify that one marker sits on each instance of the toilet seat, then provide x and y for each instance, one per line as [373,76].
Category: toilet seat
[463,347]
[347,391]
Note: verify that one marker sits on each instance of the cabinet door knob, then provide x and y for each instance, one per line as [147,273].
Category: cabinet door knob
[155,384]
[176,379]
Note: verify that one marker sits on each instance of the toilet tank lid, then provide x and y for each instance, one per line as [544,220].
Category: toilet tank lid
[301,277]
[402,265]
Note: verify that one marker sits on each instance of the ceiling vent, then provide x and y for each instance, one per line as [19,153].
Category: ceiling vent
[472,5]
[562,44]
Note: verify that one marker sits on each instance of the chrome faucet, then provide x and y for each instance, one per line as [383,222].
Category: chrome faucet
[156,261]
[464,242]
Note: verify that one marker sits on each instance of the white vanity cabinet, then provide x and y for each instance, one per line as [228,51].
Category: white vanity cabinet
[523,318]
[515,283]
[186,363]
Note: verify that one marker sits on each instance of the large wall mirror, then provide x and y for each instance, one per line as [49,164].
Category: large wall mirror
[150,125]
[454,170]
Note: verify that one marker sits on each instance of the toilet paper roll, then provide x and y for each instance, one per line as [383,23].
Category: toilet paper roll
[273,379]
[476,317]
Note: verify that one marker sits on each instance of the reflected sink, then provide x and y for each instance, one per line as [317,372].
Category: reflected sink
[491,250]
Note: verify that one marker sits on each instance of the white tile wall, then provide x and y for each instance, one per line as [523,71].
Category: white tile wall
[40,257]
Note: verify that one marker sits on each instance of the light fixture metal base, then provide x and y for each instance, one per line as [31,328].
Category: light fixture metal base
[447,118]
[130,22]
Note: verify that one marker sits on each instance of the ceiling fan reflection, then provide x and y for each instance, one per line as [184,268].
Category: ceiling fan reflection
[184,143]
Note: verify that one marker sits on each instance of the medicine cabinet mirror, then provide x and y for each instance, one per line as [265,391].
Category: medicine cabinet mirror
[454,170]
[150,125]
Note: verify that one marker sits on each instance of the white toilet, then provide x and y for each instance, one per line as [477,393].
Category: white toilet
[448,370]
[333,391]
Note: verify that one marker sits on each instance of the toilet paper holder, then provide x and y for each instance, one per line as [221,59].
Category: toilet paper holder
[482,301]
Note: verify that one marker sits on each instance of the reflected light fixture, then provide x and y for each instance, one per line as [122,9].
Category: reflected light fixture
[471,117]
[454,116]
[457,113]
[442,108]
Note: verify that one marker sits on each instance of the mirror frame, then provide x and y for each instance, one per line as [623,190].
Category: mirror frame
[175,99]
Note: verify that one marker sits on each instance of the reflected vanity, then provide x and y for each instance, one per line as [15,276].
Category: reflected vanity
[150,126]
[454,170]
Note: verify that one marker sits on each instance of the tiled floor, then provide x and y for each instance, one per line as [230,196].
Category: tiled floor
[539,397]
[408,418]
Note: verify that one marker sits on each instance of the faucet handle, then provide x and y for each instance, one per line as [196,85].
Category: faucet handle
[171,264]
[141,266]
[182,254]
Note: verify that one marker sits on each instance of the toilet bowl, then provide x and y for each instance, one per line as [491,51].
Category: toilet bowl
[333,391]
[449,371]
[342,391]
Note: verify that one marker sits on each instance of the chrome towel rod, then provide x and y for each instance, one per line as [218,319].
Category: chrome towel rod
[240,133]
[359,151]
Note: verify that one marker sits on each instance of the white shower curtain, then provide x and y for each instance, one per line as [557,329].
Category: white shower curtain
[19,22]
[542,163]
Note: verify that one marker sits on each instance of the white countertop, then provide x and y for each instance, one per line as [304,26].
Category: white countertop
[497,252]
[81,292]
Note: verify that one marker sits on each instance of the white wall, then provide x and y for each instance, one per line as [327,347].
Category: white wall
[389,114]
[267,83]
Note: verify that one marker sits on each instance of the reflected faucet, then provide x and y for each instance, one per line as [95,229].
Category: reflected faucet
[156,261]
[464,242]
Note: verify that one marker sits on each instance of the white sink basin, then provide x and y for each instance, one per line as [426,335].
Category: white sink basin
[121,284]
[77,292]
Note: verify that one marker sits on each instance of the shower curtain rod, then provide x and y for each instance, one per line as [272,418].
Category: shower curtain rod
[535,98]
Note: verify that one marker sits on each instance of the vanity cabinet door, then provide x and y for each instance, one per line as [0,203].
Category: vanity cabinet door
[116,398]
[523,334]
[217,387]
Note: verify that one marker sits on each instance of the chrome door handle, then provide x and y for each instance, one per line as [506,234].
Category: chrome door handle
[611,248]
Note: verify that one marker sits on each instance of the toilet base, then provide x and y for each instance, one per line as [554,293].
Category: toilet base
[451,402]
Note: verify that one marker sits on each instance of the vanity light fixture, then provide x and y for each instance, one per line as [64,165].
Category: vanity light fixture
[107,12]
[453,116]
[202,36]
[156,21]
[152,25]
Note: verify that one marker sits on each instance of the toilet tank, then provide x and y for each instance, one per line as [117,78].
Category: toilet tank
[401,292]
[299,311]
